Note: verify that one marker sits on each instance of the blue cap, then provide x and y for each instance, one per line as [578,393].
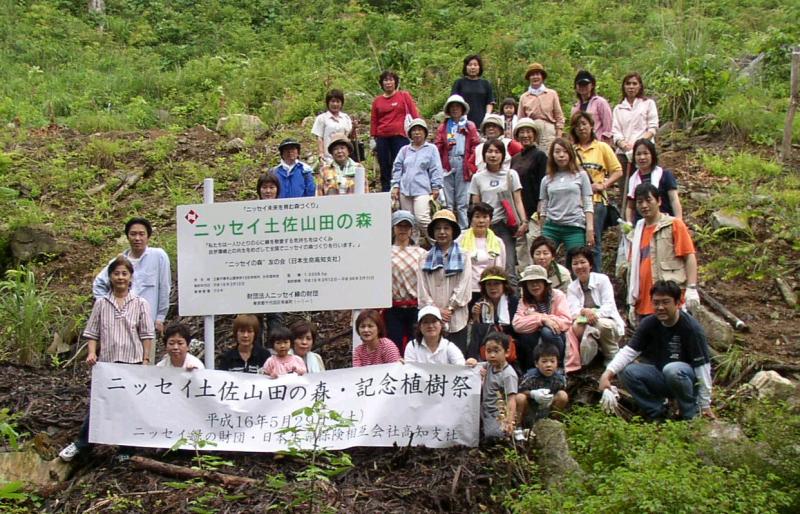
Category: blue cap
[400,216]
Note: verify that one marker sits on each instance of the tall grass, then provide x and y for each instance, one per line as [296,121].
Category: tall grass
[28,314]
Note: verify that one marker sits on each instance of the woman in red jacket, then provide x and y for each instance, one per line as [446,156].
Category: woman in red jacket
[388,123]
[456,140]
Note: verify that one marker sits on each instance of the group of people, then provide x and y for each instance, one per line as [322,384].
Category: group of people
[476,283]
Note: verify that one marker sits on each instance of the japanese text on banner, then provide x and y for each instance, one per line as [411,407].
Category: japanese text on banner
[387,404]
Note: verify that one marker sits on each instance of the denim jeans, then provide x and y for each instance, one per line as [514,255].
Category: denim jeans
[400,323]
[387,149]
[456,191]
[650,387]
[599,219]
[526,344]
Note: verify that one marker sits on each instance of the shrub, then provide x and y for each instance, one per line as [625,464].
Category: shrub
[637,467]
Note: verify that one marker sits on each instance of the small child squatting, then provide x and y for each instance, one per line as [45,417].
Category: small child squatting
[544,387]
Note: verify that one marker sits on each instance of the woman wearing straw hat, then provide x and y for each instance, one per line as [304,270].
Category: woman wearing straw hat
[339,176]
[417,175]
[542,316]
[444,277]
[542,103]
[456,140]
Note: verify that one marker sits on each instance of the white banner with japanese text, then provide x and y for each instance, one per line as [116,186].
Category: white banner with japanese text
[147,406]
[294,254]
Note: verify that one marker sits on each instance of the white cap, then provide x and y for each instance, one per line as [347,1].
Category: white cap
[430,309]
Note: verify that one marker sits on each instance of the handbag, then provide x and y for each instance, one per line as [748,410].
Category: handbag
[612,214]
[409,118]
[506,198]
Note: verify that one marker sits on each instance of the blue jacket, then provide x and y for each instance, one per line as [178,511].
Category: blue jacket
[297,181]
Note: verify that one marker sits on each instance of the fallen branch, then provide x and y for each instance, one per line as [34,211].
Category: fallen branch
[130,181]
[172,470]
[728,315]
[789,296]
[77,353]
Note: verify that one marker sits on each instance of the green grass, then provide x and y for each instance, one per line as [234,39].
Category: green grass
[200,60]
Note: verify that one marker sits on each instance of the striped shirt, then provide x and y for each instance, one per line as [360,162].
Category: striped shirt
[385,353]
[120,331]
[405,264]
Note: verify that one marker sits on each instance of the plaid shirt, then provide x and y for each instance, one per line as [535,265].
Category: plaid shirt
[120,330]
[405,264]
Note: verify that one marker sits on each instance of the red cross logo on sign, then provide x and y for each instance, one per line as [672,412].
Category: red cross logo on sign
[192,216]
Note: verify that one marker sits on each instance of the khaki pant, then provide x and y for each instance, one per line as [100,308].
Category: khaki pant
[420,207]
[546,137]
[603,336]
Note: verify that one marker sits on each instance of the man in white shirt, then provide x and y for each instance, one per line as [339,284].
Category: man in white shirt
[152,278]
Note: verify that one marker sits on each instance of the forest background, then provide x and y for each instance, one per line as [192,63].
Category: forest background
[99,115]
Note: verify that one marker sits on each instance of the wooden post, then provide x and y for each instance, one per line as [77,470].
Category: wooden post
[794,99]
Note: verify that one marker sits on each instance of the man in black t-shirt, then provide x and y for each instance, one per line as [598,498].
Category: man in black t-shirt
[675,360]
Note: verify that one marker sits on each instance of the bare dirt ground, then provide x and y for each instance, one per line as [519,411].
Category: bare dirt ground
[54,401]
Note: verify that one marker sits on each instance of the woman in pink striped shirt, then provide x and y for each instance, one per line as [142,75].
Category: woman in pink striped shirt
[375,347]
[121,323]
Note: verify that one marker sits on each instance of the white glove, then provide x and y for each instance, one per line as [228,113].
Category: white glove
[692,299]
[372,144]
[609,402]
[542,397]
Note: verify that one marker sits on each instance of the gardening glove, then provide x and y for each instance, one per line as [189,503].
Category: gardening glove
[692,299]
[609,402]
[542,397]
[372,144]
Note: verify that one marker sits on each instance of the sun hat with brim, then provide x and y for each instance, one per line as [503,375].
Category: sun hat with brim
[448,216]
[527,123]
[288,143]
[401,216]
[417,122]
[534,272]
[499,278]
[430,310]
[535,67]
[493,119]
[340,139]
[456,99]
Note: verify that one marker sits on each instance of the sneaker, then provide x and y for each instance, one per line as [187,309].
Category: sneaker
[69,452]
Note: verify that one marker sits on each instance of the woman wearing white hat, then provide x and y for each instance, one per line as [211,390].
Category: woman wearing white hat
[542,316]
[430,346]
[456,140]
[417,175]
[493,127]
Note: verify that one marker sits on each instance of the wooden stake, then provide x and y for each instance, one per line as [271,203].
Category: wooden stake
[794,100]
